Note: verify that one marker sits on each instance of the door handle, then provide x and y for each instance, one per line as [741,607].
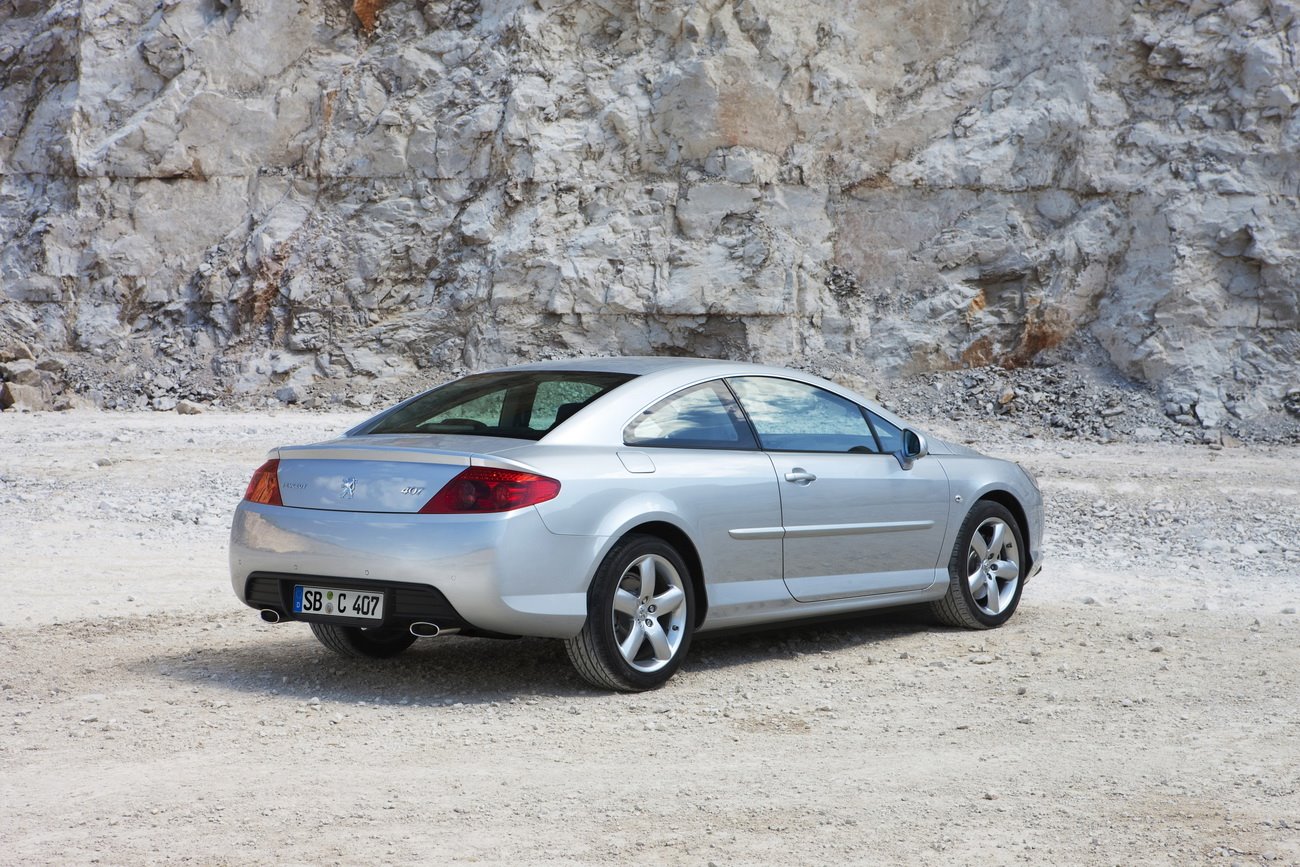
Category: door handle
[800,476]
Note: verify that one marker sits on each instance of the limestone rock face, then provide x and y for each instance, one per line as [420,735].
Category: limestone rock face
[284,194]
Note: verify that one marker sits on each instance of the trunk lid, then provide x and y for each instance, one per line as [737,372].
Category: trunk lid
[394,474]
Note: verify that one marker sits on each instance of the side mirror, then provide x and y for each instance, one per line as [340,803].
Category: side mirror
[914,447]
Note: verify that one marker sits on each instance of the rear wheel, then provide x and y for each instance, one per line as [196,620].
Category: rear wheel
[984,573]
[376,642]
[640,617]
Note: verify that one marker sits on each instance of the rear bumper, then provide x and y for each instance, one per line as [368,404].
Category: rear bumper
[502,572]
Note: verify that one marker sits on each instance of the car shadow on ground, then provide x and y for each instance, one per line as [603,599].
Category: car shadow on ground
[286,663]
[789,641]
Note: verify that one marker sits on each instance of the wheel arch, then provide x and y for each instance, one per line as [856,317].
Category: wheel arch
[1011,504]
[681,542]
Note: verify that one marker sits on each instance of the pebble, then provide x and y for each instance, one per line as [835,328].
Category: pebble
[1290,609]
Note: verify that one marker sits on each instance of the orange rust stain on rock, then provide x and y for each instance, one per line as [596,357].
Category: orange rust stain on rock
[1048,329]
[978,354]
[367,11]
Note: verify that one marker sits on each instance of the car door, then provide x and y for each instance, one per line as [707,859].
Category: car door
[855,522]
[703,455]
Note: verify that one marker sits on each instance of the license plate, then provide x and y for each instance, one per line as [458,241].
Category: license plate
[338,602]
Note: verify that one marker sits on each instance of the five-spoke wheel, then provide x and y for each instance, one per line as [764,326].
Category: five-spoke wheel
[984,571]
[640,617]
[649,613]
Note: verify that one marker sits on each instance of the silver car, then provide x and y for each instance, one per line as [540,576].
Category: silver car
[623,505]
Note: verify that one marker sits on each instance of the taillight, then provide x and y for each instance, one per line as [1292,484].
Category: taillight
[265,486]
[484,489]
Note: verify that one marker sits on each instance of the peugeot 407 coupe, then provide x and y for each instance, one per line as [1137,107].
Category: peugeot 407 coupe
[624,505]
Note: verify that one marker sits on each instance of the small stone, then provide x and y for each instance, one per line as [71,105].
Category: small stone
[1290,609]
[990,796]
[1088,600]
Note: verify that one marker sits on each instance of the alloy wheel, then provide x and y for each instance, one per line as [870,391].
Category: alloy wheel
[993,566]
[649,613]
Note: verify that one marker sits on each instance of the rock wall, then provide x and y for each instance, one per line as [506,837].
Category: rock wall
[303,194]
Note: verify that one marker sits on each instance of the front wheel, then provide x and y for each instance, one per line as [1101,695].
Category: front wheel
[984,573]
[640,617]
[376,642]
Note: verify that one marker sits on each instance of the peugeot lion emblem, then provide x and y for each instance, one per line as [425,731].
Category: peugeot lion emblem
[349,489]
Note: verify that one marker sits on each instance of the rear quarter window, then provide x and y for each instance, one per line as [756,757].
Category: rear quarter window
[702,416]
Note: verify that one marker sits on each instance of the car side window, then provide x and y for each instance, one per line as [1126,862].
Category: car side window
[702,416]
[792,416]
[889,435]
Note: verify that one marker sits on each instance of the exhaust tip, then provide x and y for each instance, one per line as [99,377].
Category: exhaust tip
[269,615]
[425,630]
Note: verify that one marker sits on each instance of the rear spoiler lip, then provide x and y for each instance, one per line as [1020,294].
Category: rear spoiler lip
[347,451]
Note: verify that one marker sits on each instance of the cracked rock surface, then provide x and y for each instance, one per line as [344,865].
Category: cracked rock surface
[247,197]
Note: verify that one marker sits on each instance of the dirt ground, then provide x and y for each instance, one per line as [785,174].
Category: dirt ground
[1141,707]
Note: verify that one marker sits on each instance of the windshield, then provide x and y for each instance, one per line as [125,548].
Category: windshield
[520,405]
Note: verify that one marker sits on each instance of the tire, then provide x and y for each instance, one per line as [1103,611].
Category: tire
[615,649]
[989,554]
[376,642]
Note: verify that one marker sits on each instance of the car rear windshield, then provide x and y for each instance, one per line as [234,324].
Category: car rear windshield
[521,405]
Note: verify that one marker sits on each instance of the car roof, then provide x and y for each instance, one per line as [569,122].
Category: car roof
[634,364]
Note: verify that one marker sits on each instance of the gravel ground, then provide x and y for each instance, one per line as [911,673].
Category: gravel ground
[1140,707]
